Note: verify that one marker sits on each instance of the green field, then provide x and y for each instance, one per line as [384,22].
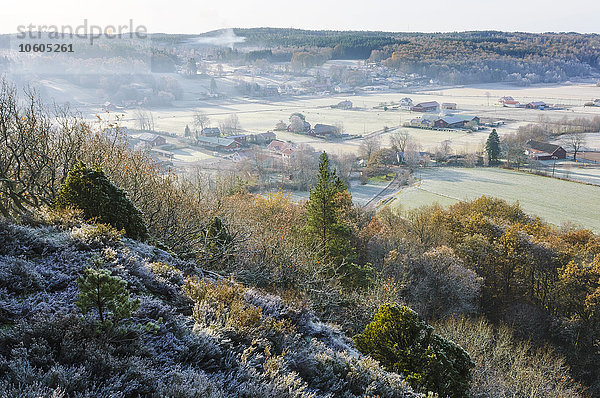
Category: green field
[555,201]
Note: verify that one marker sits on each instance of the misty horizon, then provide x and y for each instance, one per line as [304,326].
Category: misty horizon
[179,17]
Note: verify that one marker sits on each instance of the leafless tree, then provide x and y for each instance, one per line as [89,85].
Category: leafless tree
[575,142]
[412,155]
[144,119]
[280,126]
[231,125]
[368,146]
[514,149]
[339,126]
[344,165]
[398,141]
[443,151]
[37,149]
[201,120]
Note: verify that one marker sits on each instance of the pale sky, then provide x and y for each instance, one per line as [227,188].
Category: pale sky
[179,16]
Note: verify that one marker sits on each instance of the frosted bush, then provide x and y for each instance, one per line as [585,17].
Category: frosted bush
[97,235]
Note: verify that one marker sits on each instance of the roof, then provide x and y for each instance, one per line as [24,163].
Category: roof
[279,146]
[537,103]
[217,141]
[324,128]
[543,146]
[210,129]
[427,104]
[148,137]
[450,119]
[267,134]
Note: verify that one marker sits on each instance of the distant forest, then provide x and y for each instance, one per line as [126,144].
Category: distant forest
[450,58]
[463,57]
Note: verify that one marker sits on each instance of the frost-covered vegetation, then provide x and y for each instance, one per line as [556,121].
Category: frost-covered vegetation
[238,342]
[236,294]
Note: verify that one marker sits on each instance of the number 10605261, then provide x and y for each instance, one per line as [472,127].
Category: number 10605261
[45,48]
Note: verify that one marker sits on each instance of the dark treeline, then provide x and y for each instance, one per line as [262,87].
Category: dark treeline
[521,58]
[458,57]
[345,45]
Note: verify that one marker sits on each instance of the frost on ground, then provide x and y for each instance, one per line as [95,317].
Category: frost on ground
[219,340]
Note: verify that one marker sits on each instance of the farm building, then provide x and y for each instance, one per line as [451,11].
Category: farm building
[211,132]
[509,102]
[152,140]
[450,122]
[446,122]
[161,153]
[284,149]
[278,146]
[406,103]
[238,156]
[218,144]
[449,105]
[544,151]
[536,105]
[421,122]
[430,106]
[264,138]
[324,130]
[242,139]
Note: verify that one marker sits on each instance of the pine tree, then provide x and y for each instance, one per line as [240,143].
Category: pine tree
[324,224]
[105,293]
[492,147]
[188,132]
[90,190]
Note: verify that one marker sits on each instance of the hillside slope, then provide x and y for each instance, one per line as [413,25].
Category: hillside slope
[194,334]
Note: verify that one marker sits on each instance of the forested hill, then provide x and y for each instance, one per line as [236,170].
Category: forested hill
[454,57]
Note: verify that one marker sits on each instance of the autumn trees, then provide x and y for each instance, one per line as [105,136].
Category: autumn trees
[543,281]
[37,149]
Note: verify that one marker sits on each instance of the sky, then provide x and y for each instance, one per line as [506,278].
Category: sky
[184,16]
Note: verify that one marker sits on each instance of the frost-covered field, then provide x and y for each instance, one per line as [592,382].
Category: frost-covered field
[555,201]
[259,115]
[361,194]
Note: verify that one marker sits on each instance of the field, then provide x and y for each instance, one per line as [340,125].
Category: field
[361,194]
[555,201]
[261,114]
